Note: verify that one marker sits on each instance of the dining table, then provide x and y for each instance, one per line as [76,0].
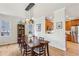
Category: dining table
[33,46]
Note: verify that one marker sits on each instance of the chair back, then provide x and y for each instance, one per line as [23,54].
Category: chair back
[40,50]
[41,38]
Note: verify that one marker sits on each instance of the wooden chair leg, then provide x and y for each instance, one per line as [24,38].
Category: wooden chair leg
[23,52]
[44,53]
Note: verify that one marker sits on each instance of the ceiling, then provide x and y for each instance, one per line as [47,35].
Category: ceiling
[40,9]
[15,9]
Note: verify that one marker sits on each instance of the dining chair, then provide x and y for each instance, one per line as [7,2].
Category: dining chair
[26,50]
[23,46]
[19,41]
[40,50]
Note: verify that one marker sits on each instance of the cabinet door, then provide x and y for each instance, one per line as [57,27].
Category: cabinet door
[74,38]
[68,37]
[75,22]
[68,25]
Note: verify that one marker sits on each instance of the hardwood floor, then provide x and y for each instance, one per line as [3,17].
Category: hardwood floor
[9,50]
[56,52]
[13,50]
[72,49]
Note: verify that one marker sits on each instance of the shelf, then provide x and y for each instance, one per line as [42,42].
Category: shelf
[20,32]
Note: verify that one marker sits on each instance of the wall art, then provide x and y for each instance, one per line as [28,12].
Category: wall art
[49,25]
[38,27]
[58,25]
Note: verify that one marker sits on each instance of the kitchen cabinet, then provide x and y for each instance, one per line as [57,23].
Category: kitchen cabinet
[68,25]
[68,37]
[75,22]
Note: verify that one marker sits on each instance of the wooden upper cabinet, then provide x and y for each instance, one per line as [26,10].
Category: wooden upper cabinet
[68,25]
[75,22]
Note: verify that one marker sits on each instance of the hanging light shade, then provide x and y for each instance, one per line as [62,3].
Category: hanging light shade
[31,21]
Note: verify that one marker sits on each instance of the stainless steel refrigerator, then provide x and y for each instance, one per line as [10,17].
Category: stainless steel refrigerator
[75,34]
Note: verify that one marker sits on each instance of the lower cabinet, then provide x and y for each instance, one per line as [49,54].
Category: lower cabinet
[71,38]
[68,37]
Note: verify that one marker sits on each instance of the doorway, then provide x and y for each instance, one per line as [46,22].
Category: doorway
[72,42]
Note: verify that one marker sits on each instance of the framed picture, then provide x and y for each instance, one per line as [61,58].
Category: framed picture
[59,25]
[38,27]
[49,25]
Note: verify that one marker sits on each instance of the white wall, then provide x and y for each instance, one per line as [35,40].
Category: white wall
[73,11]
[41,20]
[59,34]
[13,22]
[57,38]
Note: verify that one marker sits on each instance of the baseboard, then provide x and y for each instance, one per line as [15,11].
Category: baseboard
[50,44]
[7,44]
